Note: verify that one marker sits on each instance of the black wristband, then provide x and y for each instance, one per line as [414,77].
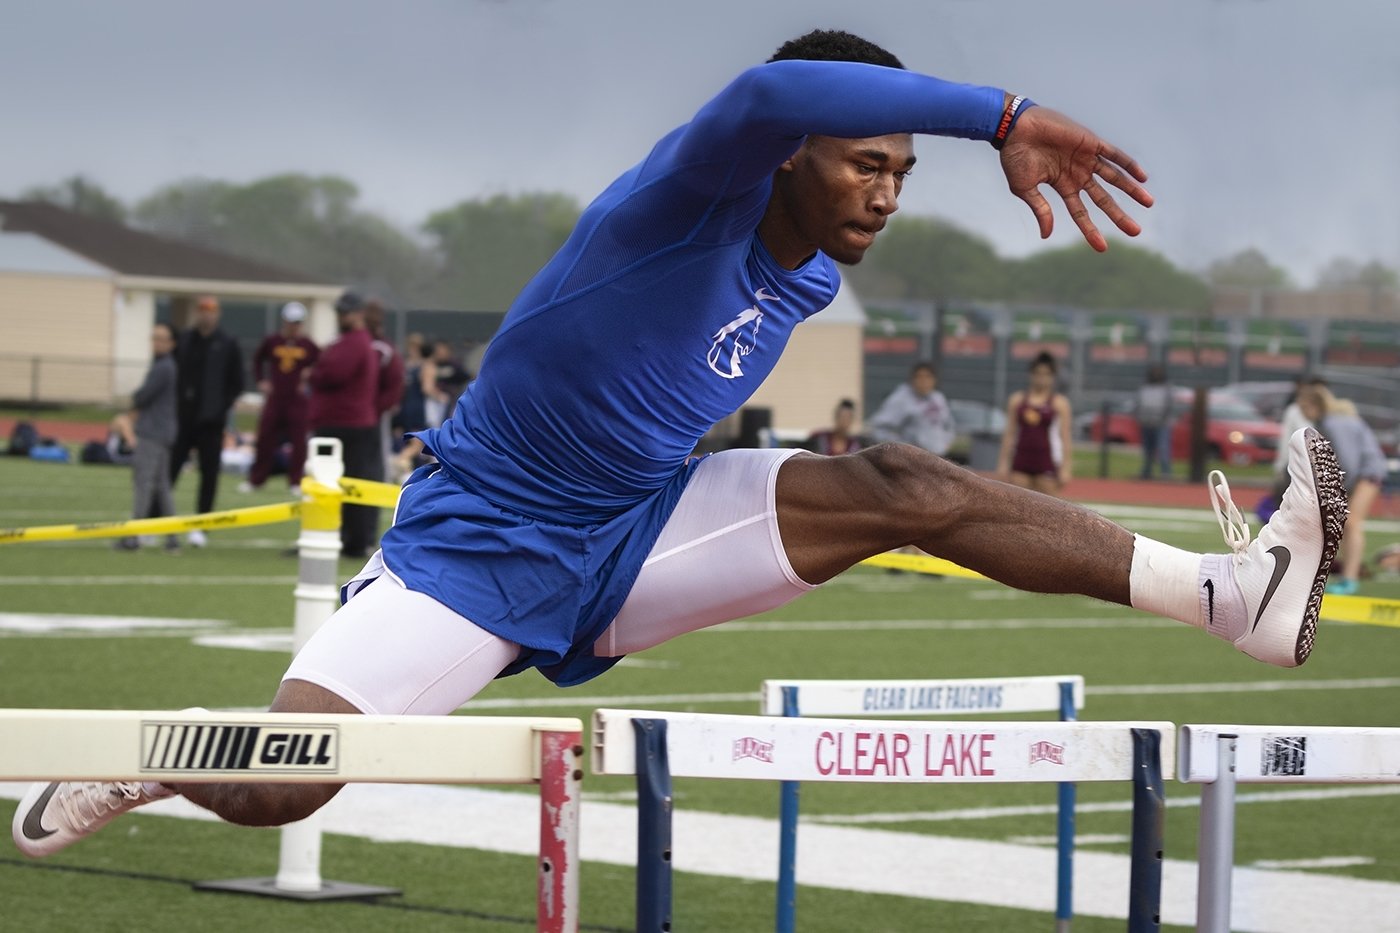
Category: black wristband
[1018,105]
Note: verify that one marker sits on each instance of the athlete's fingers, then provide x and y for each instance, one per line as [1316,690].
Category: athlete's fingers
[1044,217]
[1123,160]
[1080,215]
[1110,207]
[1119,179]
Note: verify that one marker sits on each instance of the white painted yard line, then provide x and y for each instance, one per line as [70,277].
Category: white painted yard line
[146,580]
[933,625]
[33,624]
[1126,512]
[1330,861]
[618,702]
[1106,806]
[643,700]
[1080,839]
[1257,686]
[841,858]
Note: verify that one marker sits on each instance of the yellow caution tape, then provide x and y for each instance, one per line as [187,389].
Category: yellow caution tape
[920,563]
[1362,610]
[321,510]
[368,492]
[174,524]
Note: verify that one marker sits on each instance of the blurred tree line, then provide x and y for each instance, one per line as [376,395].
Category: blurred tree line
[479,253]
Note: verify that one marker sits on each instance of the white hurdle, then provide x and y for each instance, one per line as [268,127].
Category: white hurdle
[657,745]
[202,747]
[1220,756]
[1062,694]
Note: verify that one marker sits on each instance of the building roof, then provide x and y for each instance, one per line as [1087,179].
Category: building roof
[132,252]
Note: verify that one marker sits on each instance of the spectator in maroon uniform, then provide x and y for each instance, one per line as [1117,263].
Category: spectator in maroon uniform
[389,392]
[281,365]
[344,388]
[839,438]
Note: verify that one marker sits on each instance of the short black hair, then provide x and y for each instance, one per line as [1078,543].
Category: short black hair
[834,45]
[923,366]
[1045,358]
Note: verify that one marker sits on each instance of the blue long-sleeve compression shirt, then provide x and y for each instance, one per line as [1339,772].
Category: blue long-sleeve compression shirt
[663,312]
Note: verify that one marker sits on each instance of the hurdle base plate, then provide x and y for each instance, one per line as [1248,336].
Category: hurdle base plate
[329,890]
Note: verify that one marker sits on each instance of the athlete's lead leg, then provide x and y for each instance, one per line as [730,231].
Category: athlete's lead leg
[1264,598]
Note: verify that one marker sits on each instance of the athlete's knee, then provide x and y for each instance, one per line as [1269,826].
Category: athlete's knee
[912,483]
[260,805]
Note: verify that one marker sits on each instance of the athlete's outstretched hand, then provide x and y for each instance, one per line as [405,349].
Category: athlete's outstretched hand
[1048,148]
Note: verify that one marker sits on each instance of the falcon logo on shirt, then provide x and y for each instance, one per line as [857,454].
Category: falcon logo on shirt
[737,339]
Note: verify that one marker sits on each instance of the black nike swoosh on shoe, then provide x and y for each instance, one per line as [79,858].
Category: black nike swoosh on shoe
[1282,557]
[31,827]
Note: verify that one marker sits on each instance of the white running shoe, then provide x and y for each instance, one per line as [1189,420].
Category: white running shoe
[55,815]
[197,538]
[1268,606]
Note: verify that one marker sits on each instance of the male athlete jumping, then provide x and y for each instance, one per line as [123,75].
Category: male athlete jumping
[565,524]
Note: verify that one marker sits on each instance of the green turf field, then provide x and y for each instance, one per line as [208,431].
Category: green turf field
[133,875]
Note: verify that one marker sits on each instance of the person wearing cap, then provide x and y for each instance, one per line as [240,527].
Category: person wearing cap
[344,391]
[210,367]
[281,365]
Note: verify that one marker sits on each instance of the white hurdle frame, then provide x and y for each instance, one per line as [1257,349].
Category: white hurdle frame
[655,746]
[1063,694]
[1220,756]
[207,747]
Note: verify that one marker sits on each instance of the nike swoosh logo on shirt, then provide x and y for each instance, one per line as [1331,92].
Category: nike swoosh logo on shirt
[31,827]
[1281,561]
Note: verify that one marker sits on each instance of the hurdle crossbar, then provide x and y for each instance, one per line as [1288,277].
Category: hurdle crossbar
[1062,694]
[206,747]
[1220,756]
[655,746]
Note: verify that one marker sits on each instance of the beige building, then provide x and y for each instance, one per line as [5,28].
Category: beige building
[78,296]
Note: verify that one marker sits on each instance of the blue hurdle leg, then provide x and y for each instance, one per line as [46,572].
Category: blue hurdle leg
[1064,830]
[787,838]
[1149,812]
[654,805]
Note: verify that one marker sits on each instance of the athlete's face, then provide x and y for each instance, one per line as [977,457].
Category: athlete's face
[835,195]
[1042,378]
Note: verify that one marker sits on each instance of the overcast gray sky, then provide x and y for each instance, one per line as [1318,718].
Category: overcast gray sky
[1268,123]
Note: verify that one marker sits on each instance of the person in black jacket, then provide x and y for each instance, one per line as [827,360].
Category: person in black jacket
[210,380]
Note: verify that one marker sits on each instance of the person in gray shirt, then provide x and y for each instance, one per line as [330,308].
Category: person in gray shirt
[1155,412]
[155,429]
[1363,467]
[916,413]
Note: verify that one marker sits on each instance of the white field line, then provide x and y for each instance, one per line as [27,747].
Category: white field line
[1126,513]
[842,858]
[1112,806]
[1327,861]
[146,580]
[642,701]
[933,625]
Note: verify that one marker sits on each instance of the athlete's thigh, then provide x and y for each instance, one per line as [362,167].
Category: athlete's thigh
[719,557]
[392,651]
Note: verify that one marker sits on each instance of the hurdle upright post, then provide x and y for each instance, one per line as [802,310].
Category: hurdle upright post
[789,803]
[1149,815]
[1064,828]
[317,596]
[1217,843]
[654,806]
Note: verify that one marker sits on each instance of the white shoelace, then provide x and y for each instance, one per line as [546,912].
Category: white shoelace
[97,799]
[1233,525]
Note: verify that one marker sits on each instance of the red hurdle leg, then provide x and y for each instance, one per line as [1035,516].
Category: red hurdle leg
[561,785]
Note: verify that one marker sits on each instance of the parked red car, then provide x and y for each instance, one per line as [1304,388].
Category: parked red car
[1234,431]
